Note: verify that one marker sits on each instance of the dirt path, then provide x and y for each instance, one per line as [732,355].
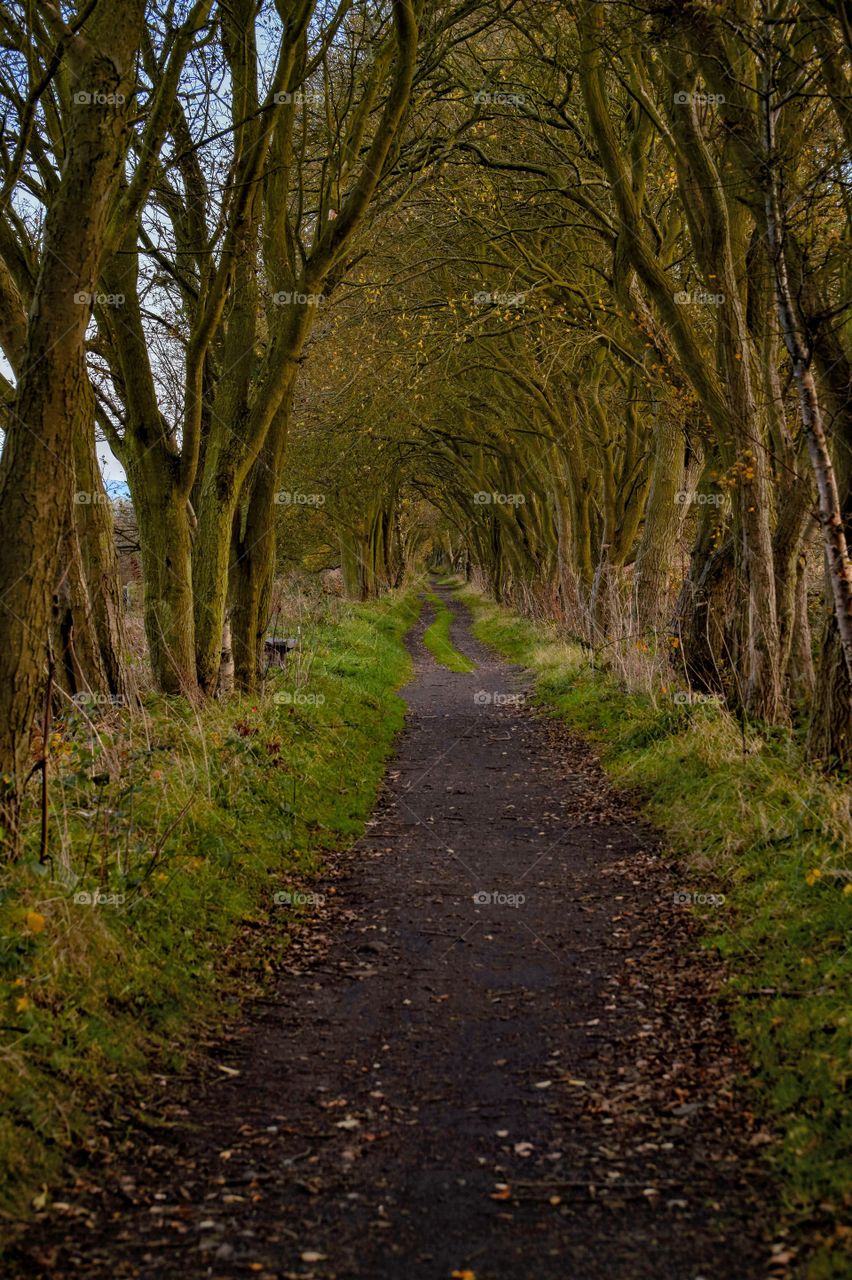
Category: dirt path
[524,1090]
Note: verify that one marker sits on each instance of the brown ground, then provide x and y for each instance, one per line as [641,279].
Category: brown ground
[536,1090]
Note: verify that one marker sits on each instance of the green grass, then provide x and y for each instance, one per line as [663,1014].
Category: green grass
[772,835]
[193,822]
[437,639]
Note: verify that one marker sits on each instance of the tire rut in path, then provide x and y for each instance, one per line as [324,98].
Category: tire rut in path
[535,1084]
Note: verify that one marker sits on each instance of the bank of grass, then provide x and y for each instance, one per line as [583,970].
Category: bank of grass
[764,829]
[188,824]
[437,640]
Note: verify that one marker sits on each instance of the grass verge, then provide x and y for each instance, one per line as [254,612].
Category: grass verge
[773,836]
[174,837]
[437,640]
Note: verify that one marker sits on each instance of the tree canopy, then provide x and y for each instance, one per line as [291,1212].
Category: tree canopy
[556,294]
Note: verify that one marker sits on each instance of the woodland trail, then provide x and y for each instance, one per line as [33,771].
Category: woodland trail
[521,1090]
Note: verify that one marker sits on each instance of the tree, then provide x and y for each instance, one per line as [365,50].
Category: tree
[95,52]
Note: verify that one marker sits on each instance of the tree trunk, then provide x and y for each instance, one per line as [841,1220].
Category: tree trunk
[96,535]
[652,601]
[254,568]
[705,610]
[801,677]
[351,564]
[830,729]
[166,554]
[88,625]
[79,668]
[152,464]
[831,514]
[36,473]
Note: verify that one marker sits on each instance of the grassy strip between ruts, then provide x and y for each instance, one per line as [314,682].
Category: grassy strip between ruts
[171,834]
[768,833]
[437,639]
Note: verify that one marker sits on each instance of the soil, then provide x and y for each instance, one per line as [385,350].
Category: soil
[496,1050]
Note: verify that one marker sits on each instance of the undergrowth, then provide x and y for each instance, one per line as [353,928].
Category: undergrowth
[170,834]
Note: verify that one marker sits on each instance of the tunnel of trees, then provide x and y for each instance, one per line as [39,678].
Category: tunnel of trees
[554,295]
